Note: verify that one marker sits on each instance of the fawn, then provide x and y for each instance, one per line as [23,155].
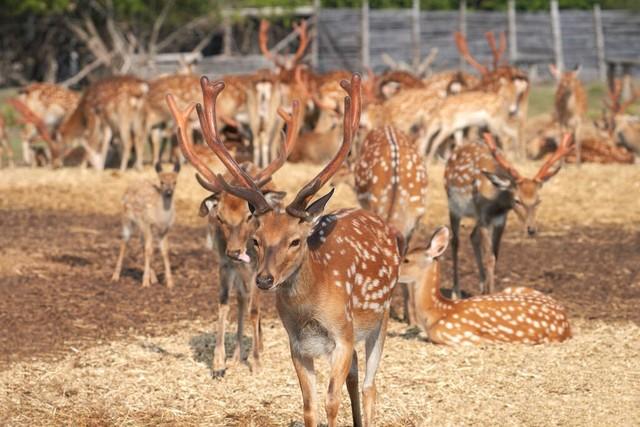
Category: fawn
[150,207]
[515,315]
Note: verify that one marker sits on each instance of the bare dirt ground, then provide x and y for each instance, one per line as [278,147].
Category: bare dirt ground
[76,349]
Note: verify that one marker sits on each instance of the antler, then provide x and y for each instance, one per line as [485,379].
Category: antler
[565,148]
[497,52]
[624,105]
[463,48]
[301,29]
[263,37]
[181,117]
[504,163]
[352,109]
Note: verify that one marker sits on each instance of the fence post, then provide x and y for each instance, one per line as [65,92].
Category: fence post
[462,26]
[557,35]
[513,33]
[366,60]
[597,22]
[415,33]
[227,32]
[315,44]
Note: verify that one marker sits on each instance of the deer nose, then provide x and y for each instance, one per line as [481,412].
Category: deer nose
[531,231]
[264,281]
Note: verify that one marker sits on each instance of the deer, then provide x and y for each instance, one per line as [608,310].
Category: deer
[110,106]
[230,227]
[621,126]
[570,103]
[515,315]
[5,147]
[51,103]
[332,275]
[390,180]
[472,108]
[150,207]
[285,64]
[482,184]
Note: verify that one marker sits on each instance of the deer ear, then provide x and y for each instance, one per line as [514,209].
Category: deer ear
[498,181]
[317,207]
[208,204]
[158,167]
[274,197]
[439,242]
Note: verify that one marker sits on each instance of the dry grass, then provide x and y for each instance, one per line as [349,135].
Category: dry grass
[592,194]
[590,380]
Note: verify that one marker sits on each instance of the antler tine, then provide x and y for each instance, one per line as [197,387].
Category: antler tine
[463,48]
[502,161]
[503,44]
[634,97]
[497,52]
[293,127]
[210,182]
[210,92]
[301,29]
[263,37]
[352,109]
[565,148]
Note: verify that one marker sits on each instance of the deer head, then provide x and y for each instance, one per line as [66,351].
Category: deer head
[521,193]
[228,212]
[281,238]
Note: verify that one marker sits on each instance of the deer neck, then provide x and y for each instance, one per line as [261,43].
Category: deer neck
[430,303]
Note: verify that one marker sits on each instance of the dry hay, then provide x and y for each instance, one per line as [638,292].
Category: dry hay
[591,379]
[582,195]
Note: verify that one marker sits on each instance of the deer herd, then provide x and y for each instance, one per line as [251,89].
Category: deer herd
[333,274]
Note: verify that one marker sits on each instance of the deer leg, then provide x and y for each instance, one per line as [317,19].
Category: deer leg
[27,153]
[125,140]
[489,259]
[242,308]
[148,254]
[352,388]
[499,224]
[107,134]
[254,312]
[164,250]
[156,142]
[340,363]
[373,349]
[307,379]
[455,233]
[476,242]
[219,354]
[126,235]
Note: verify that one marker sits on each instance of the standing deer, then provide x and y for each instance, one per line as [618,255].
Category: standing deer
[391,181]
[570,104]
[481,184]
[231,224]
[515,315]
[150,208]
[333,275]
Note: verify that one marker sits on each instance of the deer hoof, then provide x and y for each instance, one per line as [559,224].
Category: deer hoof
[217,373]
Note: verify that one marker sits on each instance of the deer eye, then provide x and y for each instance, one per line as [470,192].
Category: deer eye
[518,201]
[249,217]
[220,220]
[255,243]
[294,243]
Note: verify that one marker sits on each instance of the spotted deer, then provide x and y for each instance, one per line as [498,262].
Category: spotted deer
[515,315]
[149,207]
[481,184]
[51,103]
[570,103]
[391,181]
[230,226]
[332,275]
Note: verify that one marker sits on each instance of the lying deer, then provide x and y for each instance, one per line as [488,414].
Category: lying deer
[230,225]
[333,275]
[150,207]
[481,184]
[515,315]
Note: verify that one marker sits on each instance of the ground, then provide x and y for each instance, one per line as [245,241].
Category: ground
[77,349]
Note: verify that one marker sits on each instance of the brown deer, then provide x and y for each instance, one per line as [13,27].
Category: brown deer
[149,207]
[230,227]
[515,315]
[570,103]
[621,126]
[332,275]
[49,102]
[481,184]
[391,181]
